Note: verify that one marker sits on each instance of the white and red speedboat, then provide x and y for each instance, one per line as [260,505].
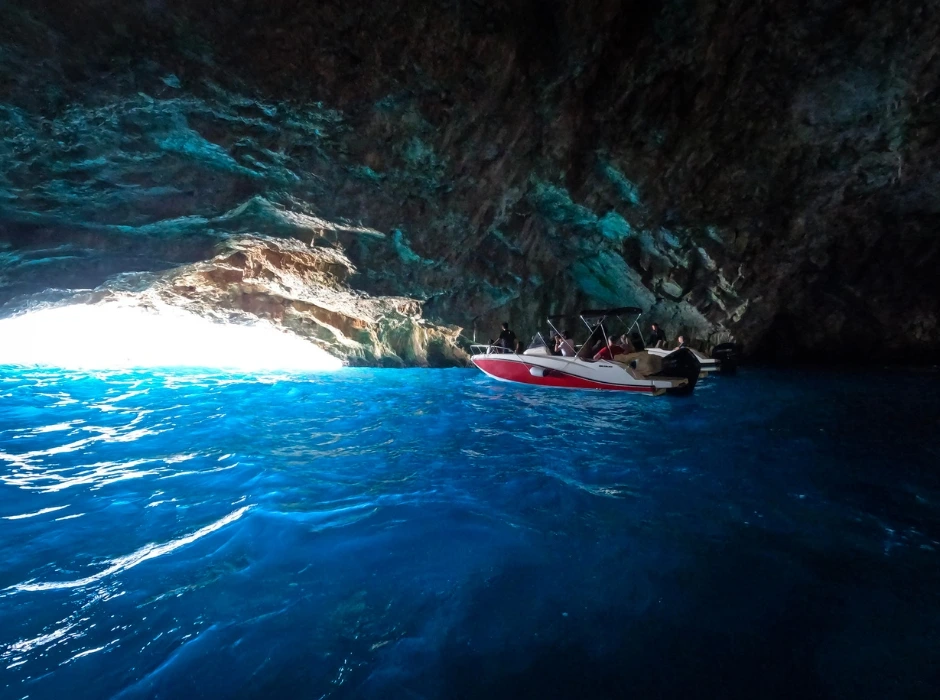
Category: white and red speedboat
[636,372]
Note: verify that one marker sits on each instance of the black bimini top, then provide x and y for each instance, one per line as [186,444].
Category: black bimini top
[613,312]
[594,313]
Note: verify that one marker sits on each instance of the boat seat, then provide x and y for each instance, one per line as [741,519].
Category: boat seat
[642,363]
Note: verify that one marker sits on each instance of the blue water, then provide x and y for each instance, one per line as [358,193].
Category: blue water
[434,534]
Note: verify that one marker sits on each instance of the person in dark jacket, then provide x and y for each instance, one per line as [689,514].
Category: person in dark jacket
[657,336]
[507,339]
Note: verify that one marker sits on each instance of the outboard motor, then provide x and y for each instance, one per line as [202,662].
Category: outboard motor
[727,355]
[681,363]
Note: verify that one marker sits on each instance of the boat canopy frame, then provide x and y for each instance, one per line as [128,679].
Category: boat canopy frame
[594,313]
[594,319]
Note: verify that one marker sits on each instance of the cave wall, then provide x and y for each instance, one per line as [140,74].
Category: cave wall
[759,170]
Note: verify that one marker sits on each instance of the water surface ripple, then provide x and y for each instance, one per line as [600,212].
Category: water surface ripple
[431,534]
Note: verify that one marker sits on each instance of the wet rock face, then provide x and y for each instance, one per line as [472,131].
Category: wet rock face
[748,169]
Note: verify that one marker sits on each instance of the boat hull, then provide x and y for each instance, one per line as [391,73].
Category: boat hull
[569,373]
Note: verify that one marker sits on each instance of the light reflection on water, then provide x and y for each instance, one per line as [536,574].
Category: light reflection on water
[406,533]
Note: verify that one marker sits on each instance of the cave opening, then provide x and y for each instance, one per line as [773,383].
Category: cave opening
[128,334]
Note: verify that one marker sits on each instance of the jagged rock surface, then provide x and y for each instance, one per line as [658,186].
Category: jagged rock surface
[747,169]
[305,289]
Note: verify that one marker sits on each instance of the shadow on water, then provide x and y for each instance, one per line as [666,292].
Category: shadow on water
[758,615]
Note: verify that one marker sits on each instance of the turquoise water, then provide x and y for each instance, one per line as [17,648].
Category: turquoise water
[431,534]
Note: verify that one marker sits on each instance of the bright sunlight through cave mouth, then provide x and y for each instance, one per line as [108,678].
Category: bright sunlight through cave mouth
[119,335]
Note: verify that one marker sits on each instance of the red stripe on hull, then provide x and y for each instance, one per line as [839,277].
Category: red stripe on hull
[513,371]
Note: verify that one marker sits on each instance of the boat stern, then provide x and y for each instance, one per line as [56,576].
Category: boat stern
[681,364]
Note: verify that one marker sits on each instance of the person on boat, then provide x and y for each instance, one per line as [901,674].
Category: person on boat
[599,344]
[681,342]
[626,344]
[609,351]
[507,340]
[565,345]
[657,336]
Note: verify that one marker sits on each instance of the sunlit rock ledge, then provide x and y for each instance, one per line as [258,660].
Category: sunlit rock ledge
[304,289]
[295,286]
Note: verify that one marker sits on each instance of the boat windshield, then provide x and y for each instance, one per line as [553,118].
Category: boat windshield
[538,341]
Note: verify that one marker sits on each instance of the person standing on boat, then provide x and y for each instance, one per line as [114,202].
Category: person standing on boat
[507,339]
[681,342]
[657,336]
[565,345]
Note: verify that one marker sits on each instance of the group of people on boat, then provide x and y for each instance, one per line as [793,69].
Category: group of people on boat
[617,353]
[563,344]
[658,338]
